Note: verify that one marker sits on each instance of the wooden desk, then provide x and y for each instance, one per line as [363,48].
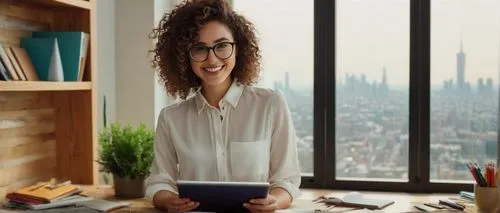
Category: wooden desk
[403,201]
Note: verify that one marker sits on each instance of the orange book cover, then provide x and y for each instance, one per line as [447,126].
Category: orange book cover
[47,194]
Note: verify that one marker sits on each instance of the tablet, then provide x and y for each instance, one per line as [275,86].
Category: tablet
[216,196]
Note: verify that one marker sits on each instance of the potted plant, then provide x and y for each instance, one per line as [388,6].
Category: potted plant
[127,154]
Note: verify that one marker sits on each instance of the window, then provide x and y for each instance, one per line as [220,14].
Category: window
[372,89]
[401,93]
[464,94]
[286,42]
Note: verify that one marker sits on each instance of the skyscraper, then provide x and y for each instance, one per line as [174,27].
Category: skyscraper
[287,81]
[384,76]
[461,68]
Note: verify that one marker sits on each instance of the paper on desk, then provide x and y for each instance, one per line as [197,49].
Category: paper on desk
[327,211]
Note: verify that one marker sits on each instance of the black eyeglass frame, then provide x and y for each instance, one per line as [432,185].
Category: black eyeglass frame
[213,50]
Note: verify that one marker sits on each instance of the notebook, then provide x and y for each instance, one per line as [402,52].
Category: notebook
[104,205]
[40,192]
[355,199]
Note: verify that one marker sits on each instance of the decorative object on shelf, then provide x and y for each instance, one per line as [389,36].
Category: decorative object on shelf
[46,57]
[127,153]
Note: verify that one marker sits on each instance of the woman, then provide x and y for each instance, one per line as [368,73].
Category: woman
[224,129]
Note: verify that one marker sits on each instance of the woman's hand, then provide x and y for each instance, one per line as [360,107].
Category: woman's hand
[269,204]
[171,202]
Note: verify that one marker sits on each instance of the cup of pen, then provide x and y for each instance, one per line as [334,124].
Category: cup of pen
[487,199]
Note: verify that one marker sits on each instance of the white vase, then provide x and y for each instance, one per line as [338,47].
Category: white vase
[56,69]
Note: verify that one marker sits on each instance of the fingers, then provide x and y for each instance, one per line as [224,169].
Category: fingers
[261,205]
[262,201]
[181,205]
[190,206]
[260,208]
[178,201]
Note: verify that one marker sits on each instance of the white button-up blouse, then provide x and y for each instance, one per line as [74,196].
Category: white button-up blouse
[250,138]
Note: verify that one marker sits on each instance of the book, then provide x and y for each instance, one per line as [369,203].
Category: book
[83,55]
[73,50]
[45,56]
[41,193]
[3,72]
[68,201]
[355,199]
[25,63]
[15,63]
[8,65]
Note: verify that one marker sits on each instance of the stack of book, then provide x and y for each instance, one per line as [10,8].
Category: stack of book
[44,195]
[50,195]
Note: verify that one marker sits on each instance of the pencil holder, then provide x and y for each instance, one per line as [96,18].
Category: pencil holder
[487,199]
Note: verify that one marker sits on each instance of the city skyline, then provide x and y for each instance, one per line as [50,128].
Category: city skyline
[369,42]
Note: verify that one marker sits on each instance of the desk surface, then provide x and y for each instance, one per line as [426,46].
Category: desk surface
[403,201]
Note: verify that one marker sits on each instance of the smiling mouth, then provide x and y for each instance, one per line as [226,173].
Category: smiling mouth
[213,69]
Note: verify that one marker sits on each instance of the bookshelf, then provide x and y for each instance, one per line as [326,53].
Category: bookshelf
[48,129]
[43,86]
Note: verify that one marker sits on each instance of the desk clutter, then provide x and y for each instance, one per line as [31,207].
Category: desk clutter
[356,202]
[52,195]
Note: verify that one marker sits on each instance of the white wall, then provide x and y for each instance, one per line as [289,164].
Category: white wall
[106,74]
[134,77]
[124,72]
[161,98]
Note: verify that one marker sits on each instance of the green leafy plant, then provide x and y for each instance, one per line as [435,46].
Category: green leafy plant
[125,151]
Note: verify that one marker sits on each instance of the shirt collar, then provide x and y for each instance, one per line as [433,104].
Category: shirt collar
[232,96]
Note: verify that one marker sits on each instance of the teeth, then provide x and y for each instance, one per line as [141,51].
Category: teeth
[213,69]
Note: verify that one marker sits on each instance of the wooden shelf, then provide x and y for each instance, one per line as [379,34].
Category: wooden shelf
[48,129]
[82,4]
[43,86]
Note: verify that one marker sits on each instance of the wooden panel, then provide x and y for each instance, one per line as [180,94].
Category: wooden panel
[18,19]
[19,141]
[27,12]
[74,136]
[10,101]
[29,169]
[27,139]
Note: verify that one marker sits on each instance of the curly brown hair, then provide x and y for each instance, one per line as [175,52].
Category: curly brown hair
[178,31]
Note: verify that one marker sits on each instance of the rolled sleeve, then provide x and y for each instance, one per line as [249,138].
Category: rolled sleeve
[284,165]
[164,171]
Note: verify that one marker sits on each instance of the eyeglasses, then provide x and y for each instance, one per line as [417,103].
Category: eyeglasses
[222,50]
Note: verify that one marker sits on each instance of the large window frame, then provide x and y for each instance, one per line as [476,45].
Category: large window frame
[419,111]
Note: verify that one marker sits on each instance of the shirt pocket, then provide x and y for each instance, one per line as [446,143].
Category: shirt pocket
[250,160]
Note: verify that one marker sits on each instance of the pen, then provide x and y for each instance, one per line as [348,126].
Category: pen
[451,204]
[480,177]
[473,172]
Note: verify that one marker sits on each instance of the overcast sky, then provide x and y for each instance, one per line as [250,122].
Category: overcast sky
[372,34]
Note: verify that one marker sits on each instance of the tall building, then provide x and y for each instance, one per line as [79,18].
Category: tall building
[287,80]
[480,85]
[489,86]
[384,76]
[461,68]
[384,88]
